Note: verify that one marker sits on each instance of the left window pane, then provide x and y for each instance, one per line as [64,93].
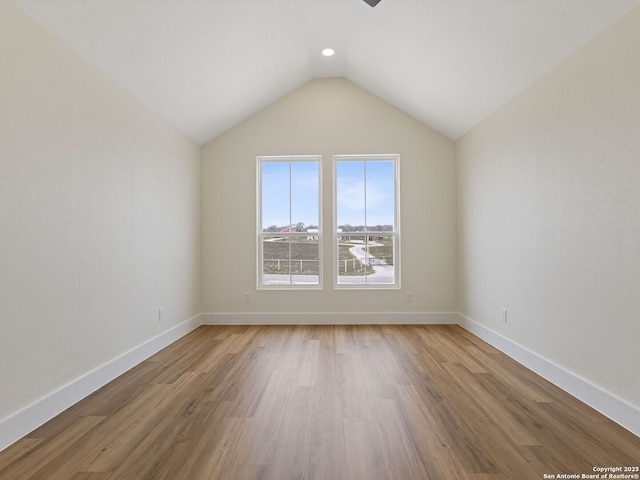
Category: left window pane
[289,231]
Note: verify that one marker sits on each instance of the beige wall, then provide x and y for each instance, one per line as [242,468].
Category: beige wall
[104,209]
[548,195]
[99,217]
[327,117]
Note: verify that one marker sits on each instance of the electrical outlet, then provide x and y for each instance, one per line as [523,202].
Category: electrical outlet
[247,297]
[160,314]
[504,315]
[409,297]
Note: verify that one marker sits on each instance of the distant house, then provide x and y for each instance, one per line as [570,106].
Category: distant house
[312,234]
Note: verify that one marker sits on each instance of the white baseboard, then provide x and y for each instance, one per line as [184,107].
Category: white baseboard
[329,318]
[606,403]
[32,416]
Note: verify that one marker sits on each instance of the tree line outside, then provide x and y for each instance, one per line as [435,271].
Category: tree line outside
[300,227]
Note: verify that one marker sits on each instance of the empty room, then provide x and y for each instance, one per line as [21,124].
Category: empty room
[319,239]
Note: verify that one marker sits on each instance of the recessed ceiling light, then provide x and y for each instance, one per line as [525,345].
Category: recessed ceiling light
[328,52]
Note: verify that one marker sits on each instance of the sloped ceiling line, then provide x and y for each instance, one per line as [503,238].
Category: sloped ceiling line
[207,65]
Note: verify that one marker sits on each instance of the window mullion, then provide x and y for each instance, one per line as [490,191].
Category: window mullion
[290,221]
[366,226]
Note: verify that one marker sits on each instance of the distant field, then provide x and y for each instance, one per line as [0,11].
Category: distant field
[303,254]
[384,252]
[280,249]
[304,258]
[348,264]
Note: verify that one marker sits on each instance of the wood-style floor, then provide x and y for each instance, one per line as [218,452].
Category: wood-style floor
[324,402]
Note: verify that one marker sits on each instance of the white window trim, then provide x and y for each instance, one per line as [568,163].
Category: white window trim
[396,245]
[260,234]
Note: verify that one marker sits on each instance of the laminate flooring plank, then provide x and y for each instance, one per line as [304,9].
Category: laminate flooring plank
[146,458]
[306,368]
[52,452]
[218,454]
[201,443]
[483,432]
[345,341]
[419,358]
[428,339]
[478,440]
[364,460]
[327,459]
[272,338]
[198,338]
[244,472]
[489,476]
[520,407]
[291,456]
[116,395]
[586,440]
[545,460]
[19,450]
[511,425]
[239,342]
[82,453]
[510,373]
[457,435]
[327,374]
[161,412]
[212,357]
[111,400]
[464,434]
[353,391]
[610,433]
[443,341]
[112,441]
[92,476]
[259,439]
[462,353]
[430,438]
[247,382]
[400,455]
[381,370]
[323,402]
[172,371]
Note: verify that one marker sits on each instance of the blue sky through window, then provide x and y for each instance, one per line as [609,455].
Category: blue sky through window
[365,193]
[290,193]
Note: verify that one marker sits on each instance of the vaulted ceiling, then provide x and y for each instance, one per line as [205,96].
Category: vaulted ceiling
[206,65]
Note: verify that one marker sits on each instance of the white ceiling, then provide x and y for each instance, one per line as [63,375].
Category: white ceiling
[206,65]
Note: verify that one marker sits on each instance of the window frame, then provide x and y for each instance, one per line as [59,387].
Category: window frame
[260,234]
[395,158]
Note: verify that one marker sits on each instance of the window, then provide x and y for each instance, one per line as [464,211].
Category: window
[366,221]
[289,222]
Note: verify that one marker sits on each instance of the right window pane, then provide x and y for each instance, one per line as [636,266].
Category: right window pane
[366,236]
